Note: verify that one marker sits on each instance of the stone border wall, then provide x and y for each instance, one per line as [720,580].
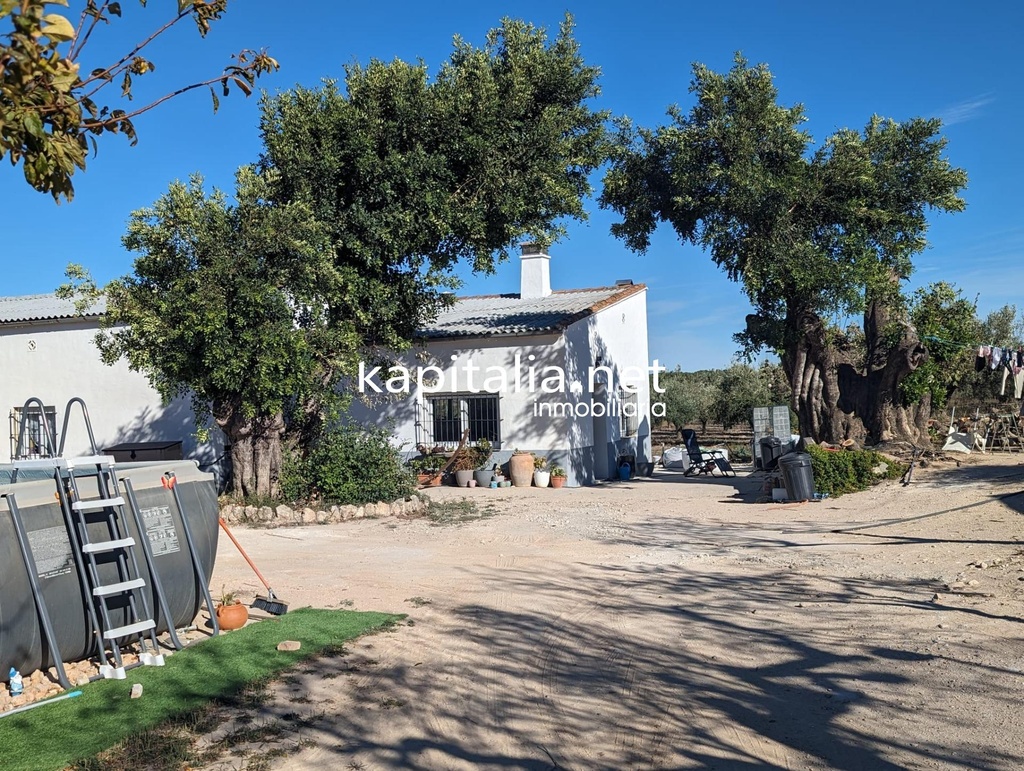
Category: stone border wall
[283,515]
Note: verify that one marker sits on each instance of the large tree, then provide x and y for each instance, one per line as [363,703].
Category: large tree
[49,104]
[412,175]
[343,243]
[225,306]
[811,236]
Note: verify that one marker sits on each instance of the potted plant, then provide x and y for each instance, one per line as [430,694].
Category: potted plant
[426,470]
[541,475]
[557,476]
[520,468]
[231,614]
[464,467]
[484,468]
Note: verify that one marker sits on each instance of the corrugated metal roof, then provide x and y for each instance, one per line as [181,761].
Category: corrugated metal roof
[42,307]
[507,314]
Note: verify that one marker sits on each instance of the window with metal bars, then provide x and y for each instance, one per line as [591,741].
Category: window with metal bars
[628,403]
[447,417]
[35,444]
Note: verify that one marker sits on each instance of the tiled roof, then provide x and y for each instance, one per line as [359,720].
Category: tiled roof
[507,314]
[41,307]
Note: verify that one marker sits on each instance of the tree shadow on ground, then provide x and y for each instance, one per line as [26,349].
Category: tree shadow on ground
[663,667]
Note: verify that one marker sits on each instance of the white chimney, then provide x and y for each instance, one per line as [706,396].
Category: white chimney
[535,273]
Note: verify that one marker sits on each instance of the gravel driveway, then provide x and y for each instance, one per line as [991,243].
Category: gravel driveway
[664,624]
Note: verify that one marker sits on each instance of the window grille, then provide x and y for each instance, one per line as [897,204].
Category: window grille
[35,444]
[446,417]
[628,403]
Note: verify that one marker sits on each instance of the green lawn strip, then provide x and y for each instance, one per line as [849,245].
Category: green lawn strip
[55,735]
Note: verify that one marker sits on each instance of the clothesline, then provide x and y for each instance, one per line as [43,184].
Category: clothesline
[935,339]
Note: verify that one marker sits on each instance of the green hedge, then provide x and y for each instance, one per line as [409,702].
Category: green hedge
[348,465]
[848,471]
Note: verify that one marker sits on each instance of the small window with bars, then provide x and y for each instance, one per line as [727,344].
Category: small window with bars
[629,412]
[35,443]
[446,417]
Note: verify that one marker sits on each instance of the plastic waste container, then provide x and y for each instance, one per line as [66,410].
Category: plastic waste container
[798,476]
[771,451]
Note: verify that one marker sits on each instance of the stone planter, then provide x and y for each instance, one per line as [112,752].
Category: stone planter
[541,478]
[557,482]
[483,477]
[462,478]
[520,469]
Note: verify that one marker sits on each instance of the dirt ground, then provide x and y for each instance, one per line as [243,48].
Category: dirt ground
[669,623]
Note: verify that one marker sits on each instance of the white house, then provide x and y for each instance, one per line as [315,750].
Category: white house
[563,373]
[47,352]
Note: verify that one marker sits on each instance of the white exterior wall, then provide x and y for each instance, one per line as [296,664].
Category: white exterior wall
[57,360]
[617,336]
[520,428]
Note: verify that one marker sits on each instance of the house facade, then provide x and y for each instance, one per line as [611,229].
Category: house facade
[563,374]
[47,352]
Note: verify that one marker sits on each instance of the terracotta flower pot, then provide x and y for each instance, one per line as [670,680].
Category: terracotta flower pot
[232,616]
[557,482]
[520,468]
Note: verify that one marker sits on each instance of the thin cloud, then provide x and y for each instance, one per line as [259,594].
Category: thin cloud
[665,307]
[961,112]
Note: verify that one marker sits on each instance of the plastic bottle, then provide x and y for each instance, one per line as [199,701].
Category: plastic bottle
[15,683]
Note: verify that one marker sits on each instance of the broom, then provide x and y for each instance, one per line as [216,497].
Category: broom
[271,604]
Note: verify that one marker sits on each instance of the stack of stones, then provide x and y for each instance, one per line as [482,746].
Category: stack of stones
[284,516]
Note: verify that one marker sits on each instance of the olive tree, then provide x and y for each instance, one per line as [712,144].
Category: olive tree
[810,235]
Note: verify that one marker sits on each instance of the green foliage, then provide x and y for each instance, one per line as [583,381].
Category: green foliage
[1003,327]
[848,471]
[226,302]
[48,108]
[725,396]
[690,396]
[412,176]
[482,453]
[804,232]
[809,234]
[948,326]
[348,465]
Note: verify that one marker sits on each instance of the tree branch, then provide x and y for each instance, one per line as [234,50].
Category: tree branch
[93,125]
[131,54]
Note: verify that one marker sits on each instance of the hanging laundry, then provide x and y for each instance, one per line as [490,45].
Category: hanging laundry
[996,357]
[1018,383]
[1006,374]
[979,359]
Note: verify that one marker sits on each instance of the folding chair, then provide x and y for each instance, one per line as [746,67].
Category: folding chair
[704,461]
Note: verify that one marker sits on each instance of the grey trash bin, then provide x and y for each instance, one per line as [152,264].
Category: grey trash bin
[771,451]
[797,476]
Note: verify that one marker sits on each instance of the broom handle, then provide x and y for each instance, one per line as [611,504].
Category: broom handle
[256,570]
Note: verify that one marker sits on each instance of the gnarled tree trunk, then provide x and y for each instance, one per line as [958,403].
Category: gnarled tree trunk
[255,450]
[841,392]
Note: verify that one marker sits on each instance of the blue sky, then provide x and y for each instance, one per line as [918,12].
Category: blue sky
[843,61]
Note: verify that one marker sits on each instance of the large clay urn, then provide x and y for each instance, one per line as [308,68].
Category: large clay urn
[520,468]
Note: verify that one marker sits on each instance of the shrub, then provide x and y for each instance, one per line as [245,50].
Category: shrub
[848,471]
[348,465]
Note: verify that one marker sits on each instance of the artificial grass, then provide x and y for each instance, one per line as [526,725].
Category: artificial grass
[54,735]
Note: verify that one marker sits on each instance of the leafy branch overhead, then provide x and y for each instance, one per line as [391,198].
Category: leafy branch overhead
[49,108]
